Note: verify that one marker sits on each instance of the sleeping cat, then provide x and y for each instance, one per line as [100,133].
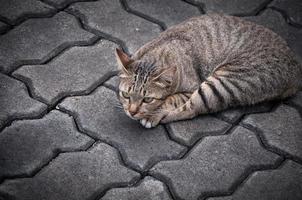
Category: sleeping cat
[204,65]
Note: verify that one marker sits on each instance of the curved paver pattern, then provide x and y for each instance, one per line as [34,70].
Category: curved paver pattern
[141,147]
[78,176]
[279,184]
[20,45]
[28,144]
[148,189]
[233,7]
[82,146]
[109,17]
[170,12]
[189,131]
[282,129]
[74,71]
[15,102]
[214,164]
[17,10]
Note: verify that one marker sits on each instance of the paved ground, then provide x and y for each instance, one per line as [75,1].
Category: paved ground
[62,137]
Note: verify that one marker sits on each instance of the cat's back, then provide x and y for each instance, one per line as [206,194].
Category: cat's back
[217,35]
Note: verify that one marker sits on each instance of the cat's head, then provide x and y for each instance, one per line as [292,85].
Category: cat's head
[144,85]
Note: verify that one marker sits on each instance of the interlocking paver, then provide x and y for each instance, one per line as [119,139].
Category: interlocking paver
[109,17]
[28,144]
[274,20]
[282,129]
[148,189]
[292,8]
[170,12]
[214,164]
[15,102]
[76,176]
[234,114]
[237,7]
[16,10]
[280,184]
[141,147]
[35,39]
[189,131]
[74,71]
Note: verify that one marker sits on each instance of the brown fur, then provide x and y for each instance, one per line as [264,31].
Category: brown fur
[206,64]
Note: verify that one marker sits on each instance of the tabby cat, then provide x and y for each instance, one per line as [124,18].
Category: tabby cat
[204,65]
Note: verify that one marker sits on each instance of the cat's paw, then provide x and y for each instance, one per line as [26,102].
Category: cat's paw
[148,123]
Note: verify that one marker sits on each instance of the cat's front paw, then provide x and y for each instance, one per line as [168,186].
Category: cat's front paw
[148,123]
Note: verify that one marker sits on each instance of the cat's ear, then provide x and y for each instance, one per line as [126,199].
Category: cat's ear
[164,77]
[123,61]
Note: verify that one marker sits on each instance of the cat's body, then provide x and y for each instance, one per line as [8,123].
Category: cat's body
[207,64]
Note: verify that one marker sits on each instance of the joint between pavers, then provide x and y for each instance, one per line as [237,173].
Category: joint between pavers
[51,55]
[128,9]
[200,6]
[82,20]
[56,153]
[53,105]
[264,143]
[242,179]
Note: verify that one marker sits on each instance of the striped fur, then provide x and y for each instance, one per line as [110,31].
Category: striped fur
[220,61]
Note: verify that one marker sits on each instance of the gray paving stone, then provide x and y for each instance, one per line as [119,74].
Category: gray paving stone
[189,131]
[28,144]
[237,7]
[16,10]
[282,129]
[148,189]
[274,20]
[109,17]
[292,8]
[280,184]
[234,114]
[74,71]
[214,164]
[15,102]
[98,114]
[170,12]
[21,46]
[76,176]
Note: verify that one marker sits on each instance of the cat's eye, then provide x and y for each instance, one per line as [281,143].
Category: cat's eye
[148,99]
[125,95]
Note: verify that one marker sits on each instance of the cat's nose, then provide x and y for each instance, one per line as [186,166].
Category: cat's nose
[133,110]
[132,113]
